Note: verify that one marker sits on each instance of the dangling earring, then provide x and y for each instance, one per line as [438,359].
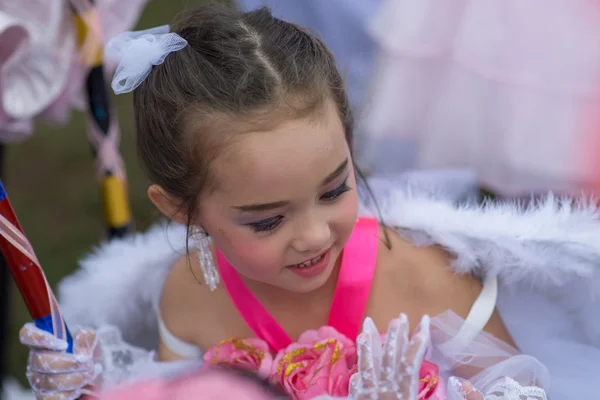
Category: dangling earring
[207,262]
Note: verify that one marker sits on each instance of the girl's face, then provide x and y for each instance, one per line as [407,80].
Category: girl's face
[285,202]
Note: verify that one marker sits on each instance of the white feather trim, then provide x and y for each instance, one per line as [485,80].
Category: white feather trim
[547,244]
[119,282]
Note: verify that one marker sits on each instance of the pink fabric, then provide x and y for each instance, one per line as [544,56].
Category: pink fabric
[349,300]
[260,321]
[356,275]
[212,384]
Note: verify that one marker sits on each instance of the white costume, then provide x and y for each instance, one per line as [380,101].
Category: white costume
[546,260]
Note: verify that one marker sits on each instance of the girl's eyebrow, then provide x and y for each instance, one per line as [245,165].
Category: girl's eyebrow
[337,172]
[278,204]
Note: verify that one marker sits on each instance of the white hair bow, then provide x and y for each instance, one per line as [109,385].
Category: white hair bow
[137,52]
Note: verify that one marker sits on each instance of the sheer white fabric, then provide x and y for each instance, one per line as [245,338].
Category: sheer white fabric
[483,361]
[545,329]
[123,362]
[120,359]
[508,389]
[137,52]
[505,389]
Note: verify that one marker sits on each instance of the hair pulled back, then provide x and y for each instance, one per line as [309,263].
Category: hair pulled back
[237,67]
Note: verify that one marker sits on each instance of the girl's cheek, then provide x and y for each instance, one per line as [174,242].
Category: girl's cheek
[250,255]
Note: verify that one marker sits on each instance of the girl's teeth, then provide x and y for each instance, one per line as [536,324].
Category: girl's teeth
[309,263]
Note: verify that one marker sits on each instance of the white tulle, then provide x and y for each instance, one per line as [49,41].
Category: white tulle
[483,361]
[136,53]
[124,362]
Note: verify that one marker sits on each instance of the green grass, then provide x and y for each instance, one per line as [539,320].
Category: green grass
[52,185]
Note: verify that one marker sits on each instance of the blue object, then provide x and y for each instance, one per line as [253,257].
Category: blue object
[45,323]
[2,191]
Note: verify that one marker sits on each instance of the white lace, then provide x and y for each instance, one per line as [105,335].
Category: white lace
[51,372]
[121,360]
[136,53]
[504,389]
[390,371]
[509,389]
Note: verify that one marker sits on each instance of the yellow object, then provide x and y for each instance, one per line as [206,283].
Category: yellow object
[91,47]
[116,206]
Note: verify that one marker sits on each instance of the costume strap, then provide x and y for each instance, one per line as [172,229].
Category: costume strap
[356,275]
[256,316]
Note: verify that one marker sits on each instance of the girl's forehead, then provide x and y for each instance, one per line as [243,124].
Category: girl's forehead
[296,152]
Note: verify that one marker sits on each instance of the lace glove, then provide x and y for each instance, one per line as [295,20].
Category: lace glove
[505,389]
[54,374]
[390,372]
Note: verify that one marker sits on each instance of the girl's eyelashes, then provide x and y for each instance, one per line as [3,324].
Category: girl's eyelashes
[337,192]
[266,225]
[272,223]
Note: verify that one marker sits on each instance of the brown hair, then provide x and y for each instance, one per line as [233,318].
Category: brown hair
[238,68]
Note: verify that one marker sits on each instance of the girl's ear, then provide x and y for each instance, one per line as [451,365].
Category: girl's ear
[167,205]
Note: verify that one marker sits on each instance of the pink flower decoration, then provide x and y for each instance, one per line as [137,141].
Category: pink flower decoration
[247,354]
[430,385]
[321,362]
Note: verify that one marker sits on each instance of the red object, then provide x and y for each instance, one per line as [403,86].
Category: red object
[26,272]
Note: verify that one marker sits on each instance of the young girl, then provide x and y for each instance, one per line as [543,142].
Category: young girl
[244,128]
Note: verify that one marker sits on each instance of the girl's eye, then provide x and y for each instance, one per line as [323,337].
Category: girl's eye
[266,225]
[334,194]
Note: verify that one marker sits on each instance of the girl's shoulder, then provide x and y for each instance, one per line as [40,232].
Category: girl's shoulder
[419,280]
[421,277]
[194,313]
